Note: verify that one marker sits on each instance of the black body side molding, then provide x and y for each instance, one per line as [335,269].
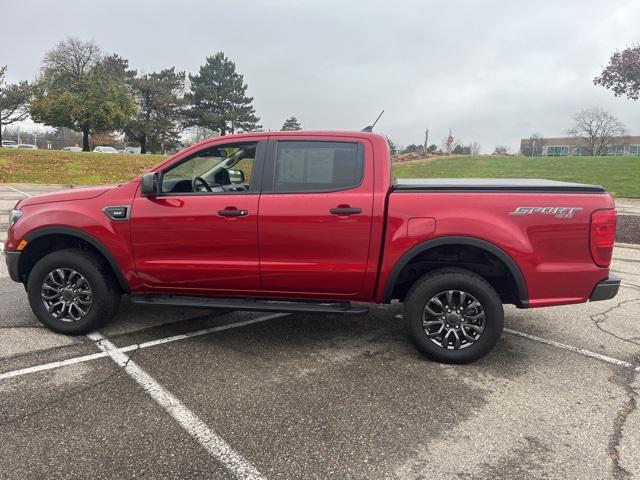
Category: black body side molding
[523,296]
[250,304]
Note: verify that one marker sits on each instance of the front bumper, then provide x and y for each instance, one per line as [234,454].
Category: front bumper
[13,263]
[605,289]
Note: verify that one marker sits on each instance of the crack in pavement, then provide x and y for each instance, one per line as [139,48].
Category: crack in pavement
[625,379]
[601,317]
[627,409]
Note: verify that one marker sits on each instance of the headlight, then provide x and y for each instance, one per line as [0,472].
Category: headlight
[14,217]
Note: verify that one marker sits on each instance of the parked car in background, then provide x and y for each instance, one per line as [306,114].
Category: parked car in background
[26,145]
[9,144]
[105,150]
[72,149]
[132,150]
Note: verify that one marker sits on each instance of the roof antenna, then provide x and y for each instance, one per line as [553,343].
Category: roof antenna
[370,127]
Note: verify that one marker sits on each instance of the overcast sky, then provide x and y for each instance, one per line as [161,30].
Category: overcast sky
[493,71]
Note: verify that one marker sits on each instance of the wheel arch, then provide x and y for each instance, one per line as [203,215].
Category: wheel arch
[520,284]
[77,237]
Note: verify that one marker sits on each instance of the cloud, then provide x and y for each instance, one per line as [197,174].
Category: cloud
[493,71]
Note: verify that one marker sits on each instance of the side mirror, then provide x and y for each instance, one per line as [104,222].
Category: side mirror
[236,176]
[150,185]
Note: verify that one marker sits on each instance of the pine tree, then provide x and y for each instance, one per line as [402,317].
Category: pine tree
[291,124]
[218,98]
[159,99]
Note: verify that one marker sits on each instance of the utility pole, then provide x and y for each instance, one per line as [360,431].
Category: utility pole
[426,141]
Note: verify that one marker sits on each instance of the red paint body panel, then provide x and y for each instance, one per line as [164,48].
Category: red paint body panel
[306,249]
[85,215]
[552,253]
[180,242]
[290,246]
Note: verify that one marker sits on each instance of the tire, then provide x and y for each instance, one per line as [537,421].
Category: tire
[427,333]
[98,295]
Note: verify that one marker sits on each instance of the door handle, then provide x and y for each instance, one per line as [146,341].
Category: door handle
[345,210]
[233,212]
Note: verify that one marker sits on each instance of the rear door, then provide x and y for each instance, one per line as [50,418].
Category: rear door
[315,215]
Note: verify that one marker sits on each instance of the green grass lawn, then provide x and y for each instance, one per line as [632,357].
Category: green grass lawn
[620,175]
[71,168]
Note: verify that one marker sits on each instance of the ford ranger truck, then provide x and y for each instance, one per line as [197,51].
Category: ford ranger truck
[310,222]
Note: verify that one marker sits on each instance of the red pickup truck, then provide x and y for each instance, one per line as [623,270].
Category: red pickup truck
[309,222]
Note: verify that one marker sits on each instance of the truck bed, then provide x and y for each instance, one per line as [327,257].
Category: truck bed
[492,185]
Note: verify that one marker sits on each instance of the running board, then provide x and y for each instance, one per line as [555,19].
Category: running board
[250,304]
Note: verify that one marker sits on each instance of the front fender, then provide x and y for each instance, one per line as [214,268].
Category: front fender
[83,219]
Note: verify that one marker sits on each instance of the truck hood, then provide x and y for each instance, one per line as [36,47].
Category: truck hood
[66,195]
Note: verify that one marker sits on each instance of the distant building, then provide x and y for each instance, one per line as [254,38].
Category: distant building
[568,146]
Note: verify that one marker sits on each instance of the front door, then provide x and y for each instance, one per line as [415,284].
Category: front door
[315,217]
[200,233]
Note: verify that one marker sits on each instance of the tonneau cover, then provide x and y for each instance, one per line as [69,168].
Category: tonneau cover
[492,185]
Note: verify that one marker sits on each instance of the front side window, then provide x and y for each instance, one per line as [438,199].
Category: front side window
[220,169]
[315,166]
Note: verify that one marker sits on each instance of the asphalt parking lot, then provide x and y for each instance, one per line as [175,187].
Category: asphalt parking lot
[168,393]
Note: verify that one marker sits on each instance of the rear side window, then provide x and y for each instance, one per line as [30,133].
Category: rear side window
[317,166]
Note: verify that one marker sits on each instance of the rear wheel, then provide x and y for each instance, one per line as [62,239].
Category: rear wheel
[454,315]
[72,291]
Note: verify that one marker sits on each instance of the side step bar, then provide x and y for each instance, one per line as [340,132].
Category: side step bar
[249,304]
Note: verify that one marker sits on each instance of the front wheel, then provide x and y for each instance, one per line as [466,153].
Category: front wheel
[72,291]
[453,315]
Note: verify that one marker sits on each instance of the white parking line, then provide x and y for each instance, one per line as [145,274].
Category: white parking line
[129,348]
[205,331]
[52,365]
[188,420]
[581,351]
[20,192]
[571,348]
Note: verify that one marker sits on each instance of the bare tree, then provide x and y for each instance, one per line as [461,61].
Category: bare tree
[449,142]
[14,100]
[71,59]
[532,146]
[597,128]
[501,150]
[474,148]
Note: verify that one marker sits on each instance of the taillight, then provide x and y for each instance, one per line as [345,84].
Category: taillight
[603,236]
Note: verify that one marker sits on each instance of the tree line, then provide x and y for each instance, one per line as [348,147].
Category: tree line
[81,88]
